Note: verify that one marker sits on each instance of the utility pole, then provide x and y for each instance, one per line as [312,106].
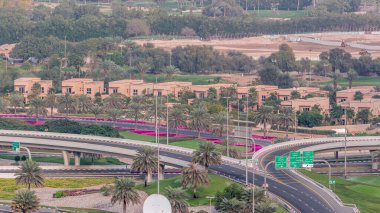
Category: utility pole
[158,146]
[246,142]
[167,118]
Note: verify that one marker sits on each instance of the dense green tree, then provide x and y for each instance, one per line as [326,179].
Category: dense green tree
[269,74]
[223,8]
[358,96]
[351,76]
[363,116]
[340,60]
[29,174]
[284,58]
[125,193]
[310,118]
[96,110]
[4,104]
[295,95]
[25,201]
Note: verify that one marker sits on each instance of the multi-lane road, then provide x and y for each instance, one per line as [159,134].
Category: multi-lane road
[296,191]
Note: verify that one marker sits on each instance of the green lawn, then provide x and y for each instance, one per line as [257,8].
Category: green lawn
[180,142]
[195,79]
[83,161]
[8,187]
[361,81]
[216,184]
[278,14]
[362,191]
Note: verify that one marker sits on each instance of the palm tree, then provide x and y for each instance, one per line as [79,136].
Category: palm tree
[146,161]
[115,100]
[233,153]
[16,100]
[142,67]
[29,174]
[264,116]
[247,198]
[335,77]
[4,105]
[207,155]
[114,113]
[66,103]
[169,72]
[219,119]
[177,117]
[135,110]
[37,107]
[51,102]
[286,118]
[199,119]
[125,193]
[96,109]
[25,201]
[232,205]
[177,200]
[351,76]
[194,177]
[266,207]
[83,103]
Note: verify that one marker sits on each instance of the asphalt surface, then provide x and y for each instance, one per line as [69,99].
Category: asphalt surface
[286,185]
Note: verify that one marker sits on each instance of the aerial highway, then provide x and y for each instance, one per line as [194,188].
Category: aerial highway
[299,194]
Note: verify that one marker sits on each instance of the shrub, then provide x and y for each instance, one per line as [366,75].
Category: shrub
[106,190]
[17,158]
[100,130]
[23,158]
[11,124]
[62,126]
[58,194]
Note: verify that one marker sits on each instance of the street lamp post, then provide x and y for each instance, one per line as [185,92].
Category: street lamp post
[228,109]
[345,143]
[246,142]
[210,198]
[167,118]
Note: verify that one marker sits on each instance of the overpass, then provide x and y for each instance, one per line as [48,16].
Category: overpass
[296,192]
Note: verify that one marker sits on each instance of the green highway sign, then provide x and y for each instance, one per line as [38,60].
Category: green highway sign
[16,146]
[308,159]
[332,182]
[280,162]
[295,160]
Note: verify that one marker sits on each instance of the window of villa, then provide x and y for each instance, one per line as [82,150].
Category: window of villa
[88,91]
[263,98]
[286,98]
[135,92]
[21,89]
[68,90]
[306,109]
[42,89]
[114,91]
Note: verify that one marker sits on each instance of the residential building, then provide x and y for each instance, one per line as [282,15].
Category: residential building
[122,87]
[201,91]
[286,94]
[349,94]
[174,88]
[373,105]
[25,85]
[300,105]
[141,89]
[78,86]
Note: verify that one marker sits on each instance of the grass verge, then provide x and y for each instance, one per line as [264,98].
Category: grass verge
[216,184]
[8,187]
[362,191]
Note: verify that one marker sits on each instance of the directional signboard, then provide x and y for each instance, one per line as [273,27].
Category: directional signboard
[308,159]
[295,160]
[280,162]
[16,146]
[332,182]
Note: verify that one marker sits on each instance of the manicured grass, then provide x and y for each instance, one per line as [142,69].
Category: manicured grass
[84,210]
[281,209]
[216,184]
[362,191]
[195,79]
[83,161]
[278,14]
[194,144]
[360,81]
[8,187]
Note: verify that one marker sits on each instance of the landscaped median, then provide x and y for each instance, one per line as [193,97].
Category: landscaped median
[362,191]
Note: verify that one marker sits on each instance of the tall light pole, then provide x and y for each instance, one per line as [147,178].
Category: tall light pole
[158,145]
[228,109]
[246,143]
[167,117]
[345,143]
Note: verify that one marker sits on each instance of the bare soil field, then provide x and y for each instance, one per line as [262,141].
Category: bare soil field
[265,45]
